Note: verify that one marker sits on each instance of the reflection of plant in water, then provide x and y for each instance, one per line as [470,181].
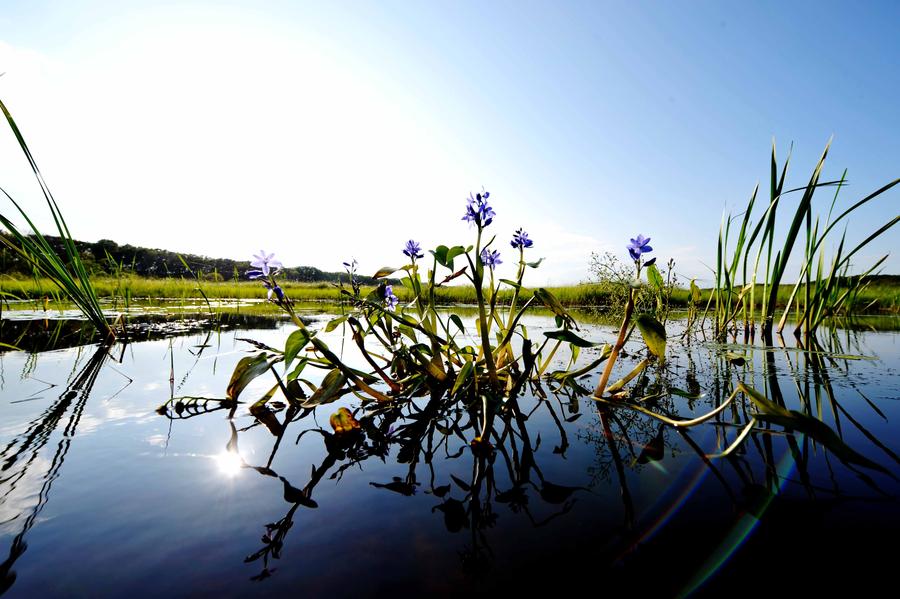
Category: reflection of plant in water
[24,451]
[471,383]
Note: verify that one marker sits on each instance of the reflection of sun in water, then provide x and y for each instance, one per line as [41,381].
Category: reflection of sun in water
[229,463]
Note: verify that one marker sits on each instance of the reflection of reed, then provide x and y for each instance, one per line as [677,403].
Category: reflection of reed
[23,451]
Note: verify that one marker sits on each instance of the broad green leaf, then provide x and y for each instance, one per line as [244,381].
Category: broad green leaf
[654,277]
[335,323]
[246,370]
[409,332]
[654,334]
[295,343]
[570,337]
[445,255]
[511,283]
[549,300]
[458,322]
[464,373]
[327,392]
[384,271]
[695,292]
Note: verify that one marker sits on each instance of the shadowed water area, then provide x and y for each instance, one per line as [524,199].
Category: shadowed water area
[104,494]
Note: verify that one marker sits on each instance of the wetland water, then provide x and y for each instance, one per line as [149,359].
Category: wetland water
[102,496]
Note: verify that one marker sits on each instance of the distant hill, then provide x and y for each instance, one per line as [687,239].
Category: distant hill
[106,257]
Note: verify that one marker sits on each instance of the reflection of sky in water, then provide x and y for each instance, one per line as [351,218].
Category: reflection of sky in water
[174,510]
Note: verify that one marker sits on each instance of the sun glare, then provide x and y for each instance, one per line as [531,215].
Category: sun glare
[229,463]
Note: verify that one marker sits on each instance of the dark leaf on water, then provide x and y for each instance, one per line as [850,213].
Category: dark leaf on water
[556,494]
[441,491]
[398,485]
[462,484]
[295,495]
[455,518]
[654,450]
[570,337]
[736,359]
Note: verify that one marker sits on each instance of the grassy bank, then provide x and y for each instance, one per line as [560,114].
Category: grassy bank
[879,296]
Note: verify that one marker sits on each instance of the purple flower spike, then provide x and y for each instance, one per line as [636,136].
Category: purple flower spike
[413,250]
[265,263]
[491,259]
[638,246]
[520,240]
[390,300]
[478,210]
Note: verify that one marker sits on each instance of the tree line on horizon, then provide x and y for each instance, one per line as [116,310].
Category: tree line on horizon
[106,257]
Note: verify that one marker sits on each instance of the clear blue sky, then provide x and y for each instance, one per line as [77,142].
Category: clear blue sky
[328,130]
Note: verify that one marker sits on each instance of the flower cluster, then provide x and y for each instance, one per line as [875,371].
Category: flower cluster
[520,240]
[638,246]
[390,300]
[490,258]
[478,210]
[413,250]
[263,265]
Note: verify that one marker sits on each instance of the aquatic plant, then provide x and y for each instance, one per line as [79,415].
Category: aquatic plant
[67,271]
[733,302]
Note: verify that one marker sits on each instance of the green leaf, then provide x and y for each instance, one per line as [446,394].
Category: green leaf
[654,334]
[458,322]
[445,255]
[295,343]
[511,283]
[464,373]
[570,337]
[535,264]
[335,323]
[655,277]
[328,391]
[246,370]
[549,300]
[695,292]
[384,271]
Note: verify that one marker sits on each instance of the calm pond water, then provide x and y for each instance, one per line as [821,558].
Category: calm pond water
[102,496]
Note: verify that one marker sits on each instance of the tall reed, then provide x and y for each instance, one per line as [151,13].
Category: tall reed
[815,297]
[67,271]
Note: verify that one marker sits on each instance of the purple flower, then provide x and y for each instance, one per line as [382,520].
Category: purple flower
[413,250]
[639,246]
[520,240]
[274,290]
[265,263]
[390,300]
[478,211]
[490,259]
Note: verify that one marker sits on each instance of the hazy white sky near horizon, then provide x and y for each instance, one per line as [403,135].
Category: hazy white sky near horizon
[324,131]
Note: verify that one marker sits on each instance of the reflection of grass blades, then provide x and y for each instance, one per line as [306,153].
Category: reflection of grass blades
[67,271]
[666,419]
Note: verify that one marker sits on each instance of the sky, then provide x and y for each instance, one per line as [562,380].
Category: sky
[324,131]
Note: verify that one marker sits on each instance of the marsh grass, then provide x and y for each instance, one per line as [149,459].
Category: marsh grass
[66,271]
[750,269]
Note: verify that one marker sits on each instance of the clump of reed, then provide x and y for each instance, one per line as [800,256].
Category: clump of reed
[67,271]
[750,273]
